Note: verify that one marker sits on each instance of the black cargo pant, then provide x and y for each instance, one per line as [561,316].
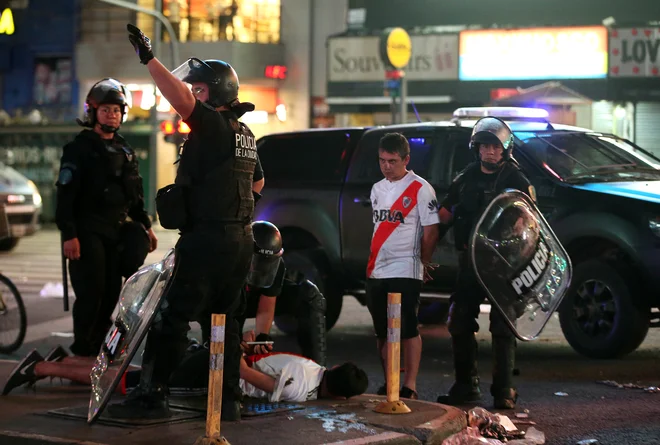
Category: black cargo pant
[211,269]
[96,281]
[462,325]
[306,303]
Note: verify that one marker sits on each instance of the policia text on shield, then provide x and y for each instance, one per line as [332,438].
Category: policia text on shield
[98,187]
[212,205]
[493,171]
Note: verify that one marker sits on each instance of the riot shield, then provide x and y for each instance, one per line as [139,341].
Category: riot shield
[138,303]
[520,263]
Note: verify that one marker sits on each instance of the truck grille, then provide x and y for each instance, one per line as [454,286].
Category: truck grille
[20,218]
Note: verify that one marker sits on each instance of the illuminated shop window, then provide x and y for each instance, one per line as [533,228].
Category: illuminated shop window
[247,21]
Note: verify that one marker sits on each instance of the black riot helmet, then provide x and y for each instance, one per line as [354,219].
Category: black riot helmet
[267,254]
[220,77]
[491,130]
[105,91]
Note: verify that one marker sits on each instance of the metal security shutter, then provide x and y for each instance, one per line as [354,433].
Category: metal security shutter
[647,126]
[601,116]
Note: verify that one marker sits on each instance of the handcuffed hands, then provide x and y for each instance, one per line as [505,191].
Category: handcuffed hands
[141,43]
[428,267]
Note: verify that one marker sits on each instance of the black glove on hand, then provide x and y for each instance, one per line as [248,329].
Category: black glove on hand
[141,43]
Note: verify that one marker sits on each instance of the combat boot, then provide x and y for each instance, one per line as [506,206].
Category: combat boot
[466,387]
[504,357]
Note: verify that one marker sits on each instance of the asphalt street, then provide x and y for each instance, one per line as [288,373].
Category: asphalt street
[557,386]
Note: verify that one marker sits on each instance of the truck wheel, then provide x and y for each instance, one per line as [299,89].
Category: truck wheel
[8,244]
[598,316]
[311,263]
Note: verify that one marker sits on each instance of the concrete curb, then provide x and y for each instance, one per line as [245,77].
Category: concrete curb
[390,438]
[434,431]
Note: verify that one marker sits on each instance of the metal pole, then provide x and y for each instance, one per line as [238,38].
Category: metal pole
[404,99]
[174,40]
[157,38]
[153,120]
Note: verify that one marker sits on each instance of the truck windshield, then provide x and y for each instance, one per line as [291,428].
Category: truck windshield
[574,156]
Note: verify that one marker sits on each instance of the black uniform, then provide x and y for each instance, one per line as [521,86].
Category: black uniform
[215,248]
[467,198]
[99,185]
[298,297]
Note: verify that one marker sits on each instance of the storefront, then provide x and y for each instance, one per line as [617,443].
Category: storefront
[635,83]
[36,66]
[356,76]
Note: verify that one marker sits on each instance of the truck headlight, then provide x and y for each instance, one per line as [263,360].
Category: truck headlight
[36,197]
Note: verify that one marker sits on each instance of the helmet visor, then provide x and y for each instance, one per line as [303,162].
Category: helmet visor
[263,270]
[194,70]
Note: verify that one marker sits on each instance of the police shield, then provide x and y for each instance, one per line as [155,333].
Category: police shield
[138,303]
[520,263]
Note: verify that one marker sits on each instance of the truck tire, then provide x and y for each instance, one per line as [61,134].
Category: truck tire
[598,316]
[311,263]
[8,244]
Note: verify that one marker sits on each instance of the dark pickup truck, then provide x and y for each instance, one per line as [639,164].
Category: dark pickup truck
[600,193]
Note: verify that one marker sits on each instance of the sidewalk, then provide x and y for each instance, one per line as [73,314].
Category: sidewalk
[27,418]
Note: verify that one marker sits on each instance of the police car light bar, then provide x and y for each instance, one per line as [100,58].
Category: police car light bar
[501,112]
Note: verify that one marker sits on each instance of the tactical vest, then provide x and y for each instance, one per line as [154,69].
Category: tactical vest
[219,189]
[474,197]
[123,181]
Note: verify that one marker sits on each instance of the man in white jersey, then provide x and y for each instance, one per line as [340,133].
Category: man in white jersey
[281,376]
[405,235]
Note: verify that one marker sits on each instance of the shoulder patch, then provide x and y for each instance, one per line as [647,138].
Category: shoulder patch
[65,177]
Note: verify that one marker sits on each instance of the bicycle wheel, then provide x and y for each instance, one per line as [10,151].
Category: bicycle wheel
[13,319]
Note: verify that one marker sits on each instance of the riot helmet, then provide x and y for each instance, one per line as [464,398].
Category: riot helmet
[491,130]
[267,254]
[105,91]
[220,77]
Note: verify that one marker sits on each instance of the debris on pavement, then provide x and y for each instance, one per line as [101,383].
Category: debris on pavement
[522,415]
[612,383]
[469,436]
[587,442]
[561,394]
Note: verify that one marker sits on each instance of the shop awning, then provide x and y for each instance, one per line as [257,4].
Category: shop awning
[548,93]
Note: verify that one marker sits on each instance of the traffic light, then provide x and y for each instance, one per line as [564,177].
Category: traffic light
[175,131]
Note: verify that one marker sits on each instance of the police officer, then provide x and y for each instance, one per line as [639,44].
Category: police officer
[98,186]
[272,290]
[467,198]
[212,205]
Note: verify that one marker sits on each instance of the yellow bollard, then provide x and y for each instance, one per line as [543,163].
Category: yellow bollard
[393,405]
[216,366]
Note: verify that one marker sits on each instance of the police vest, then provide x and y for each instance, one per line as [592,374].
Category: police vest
[123,181]
[220,183]
[474,197]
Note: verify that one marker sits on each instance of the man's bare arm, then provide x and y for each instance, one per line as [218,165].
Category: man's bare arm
[429,241]
[257,186]
[446,217]
[256,378]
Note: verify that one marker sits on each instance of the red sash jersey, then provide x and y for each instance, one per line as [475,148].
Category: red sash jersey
[400,211]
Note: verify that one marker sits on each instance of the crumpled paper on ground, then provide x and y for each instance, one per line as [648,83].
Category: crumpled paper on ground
[494,429]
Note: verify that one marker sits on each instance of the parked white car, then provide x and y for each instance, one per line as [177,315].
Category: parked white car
[22,202]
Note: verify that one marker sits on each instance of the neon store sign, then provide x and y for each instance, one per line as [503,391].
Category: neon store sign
[7,22]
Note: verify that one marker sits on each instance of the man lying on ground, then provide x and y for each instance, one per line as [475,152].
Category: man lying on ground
[276,376]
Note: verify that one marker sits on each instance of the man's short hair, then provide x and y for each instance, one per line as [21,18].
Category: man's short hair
[395,143]
[346,380]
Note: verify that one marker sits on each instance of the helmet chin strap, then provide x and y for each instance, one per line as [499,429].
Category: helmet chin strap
[490,166]
[108,129]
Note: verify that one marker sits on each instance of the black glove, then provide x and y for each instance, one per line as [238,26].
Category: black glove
[141,43]
[256,196]
[263,337]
